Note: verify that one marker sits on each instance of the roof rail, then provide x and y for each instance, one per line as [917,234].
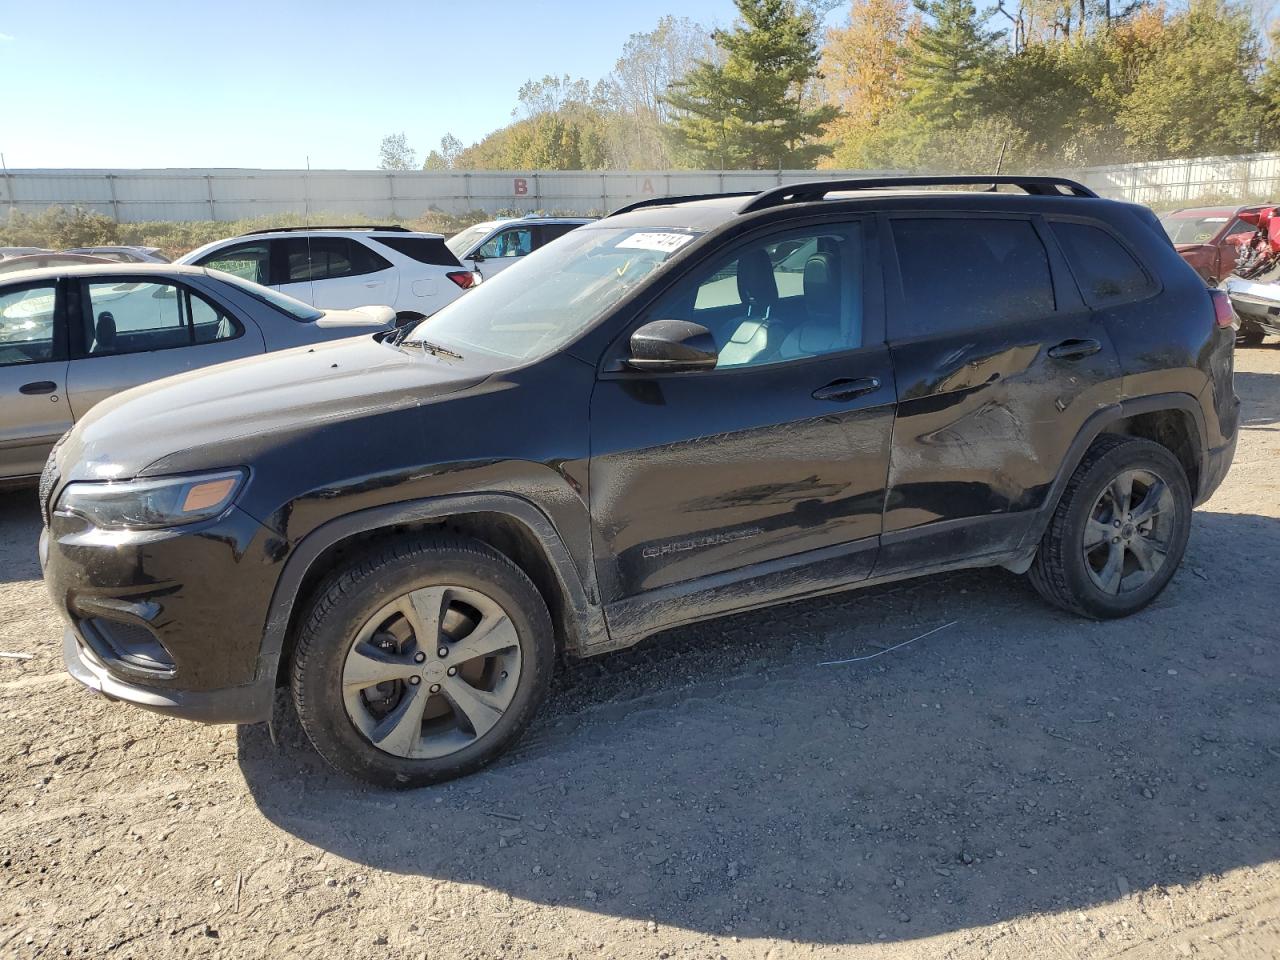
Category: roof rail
[667,201]
[393,228]
[818,189]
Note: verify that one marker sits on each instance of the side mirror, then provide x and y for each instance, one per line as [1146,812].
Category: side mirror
[476,257]
[672,345]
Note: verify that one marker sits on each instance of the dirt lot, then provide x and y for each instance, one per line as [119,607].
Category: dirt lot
[1021,784]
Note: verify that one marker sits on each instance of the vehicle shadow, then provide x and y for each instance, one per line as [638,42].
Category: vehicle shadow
[723,778]
[19,535]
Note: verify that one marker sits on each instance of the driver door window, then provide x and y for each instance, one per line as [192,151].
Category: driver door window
[515,242]
[780,298]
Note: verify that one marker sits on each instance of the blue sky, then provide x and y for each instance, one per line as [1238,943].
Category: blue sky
[269,83]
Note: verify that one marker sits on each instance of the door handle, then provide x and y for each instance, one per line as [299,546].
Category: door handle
[373,283]
[846,389]
[1075,349]
[38,386]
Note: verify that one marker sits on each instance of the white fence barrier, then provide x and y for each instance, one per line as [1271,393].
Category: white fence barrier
[231,194]
[132,195]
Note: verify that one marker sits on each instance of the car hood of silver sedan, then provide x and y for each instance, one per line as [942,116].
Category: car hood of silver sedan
[208,415]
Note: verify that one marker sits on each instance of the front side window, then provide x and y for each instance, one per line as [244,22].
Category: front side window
[963,274]
[134,317]
[514,242]
[249,261]
[780,298]
[26,324]
[548,298]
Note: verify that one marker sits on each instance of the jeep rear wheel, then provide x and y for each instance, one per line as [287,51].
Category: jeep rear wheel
[422,661]
[1119,531]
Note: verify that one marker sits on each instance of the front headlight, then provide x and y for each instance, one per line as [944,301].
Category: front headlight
[153,502]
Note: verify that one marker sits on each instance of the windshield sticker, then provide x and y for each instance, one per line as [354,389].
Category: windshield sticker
[661,242]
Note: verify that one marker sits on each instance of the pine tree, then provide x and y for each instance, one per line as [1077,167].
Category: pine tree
[947,61]
[754,110]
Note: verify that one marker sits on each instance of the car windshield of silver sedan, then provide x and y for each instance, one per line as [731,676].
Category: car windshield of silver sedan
[550,296]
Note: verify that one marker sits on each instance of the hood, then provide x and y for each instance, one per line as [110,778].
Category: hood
[231,410]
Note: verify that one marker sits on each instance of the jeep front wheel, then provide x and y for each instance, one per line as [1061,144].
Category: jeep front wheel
[422,661]
[1119,531]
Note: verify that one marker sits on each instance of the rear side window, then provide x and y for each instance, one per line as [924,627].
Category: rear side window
[328,258]
[423,249]
[1106,271]
[551,231]
[961,274]
[249,261]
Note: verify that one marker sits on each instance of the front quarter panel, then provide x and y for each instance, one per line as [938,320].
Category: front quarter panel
[522,432]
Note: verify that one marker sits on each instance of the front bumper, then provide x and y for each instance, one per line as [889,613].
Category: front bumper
[1256,303]
[170,620]
[247,704]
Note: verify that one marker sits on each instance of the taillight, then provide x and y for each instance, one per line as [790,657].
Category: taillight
[1224,315]
[463,278]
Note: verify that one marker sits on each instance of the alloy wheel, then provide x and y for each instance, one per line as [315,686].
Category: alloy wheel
[1127,535]
[432,672]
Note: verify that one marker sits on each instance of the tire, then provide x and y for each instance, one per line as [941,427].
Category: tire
[1080,581]
[1250,336]
[433,718]
[406,317]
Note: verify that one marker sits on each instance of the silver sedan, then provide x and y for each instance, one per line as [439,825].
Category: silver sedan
[71,336]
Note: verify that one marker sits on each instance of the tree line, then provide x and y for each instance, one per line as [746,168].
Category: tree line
[939,85]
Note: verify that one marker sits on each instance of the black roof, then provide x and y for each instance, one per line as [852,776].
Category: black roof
[817,190]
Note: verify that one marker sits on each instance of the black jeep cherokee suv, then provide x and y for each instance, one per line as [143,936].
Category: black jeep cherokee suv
[691,407]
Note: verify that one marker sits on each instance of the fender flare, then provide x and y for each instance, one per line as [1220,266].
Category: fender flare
[587,626]
[1096,425]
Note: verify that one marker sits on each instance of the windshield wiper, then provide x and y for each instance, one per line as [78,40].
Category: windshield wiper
[432,348]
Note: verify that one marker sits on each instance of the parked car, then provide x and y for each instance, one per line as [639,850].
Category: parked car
[342,267]
[692,407]
[1257,304]
[491,247]
[124,254]
[72,336]
[38,261]
[1209,238]
[9,252]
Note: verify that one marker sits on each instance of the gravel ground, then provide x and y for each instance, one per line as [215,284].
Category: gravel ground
[1021,784]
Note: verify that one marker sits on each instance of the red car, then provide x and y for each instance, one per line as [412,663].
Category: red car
[1209,238]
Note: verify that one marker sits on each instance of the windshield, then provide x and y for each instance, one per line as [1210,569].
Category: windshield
[1193,229]
[460,243]
[273,298]
[549,297]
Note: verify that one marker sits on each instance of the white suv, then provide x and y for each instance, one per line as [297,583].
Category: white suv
[338,268]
